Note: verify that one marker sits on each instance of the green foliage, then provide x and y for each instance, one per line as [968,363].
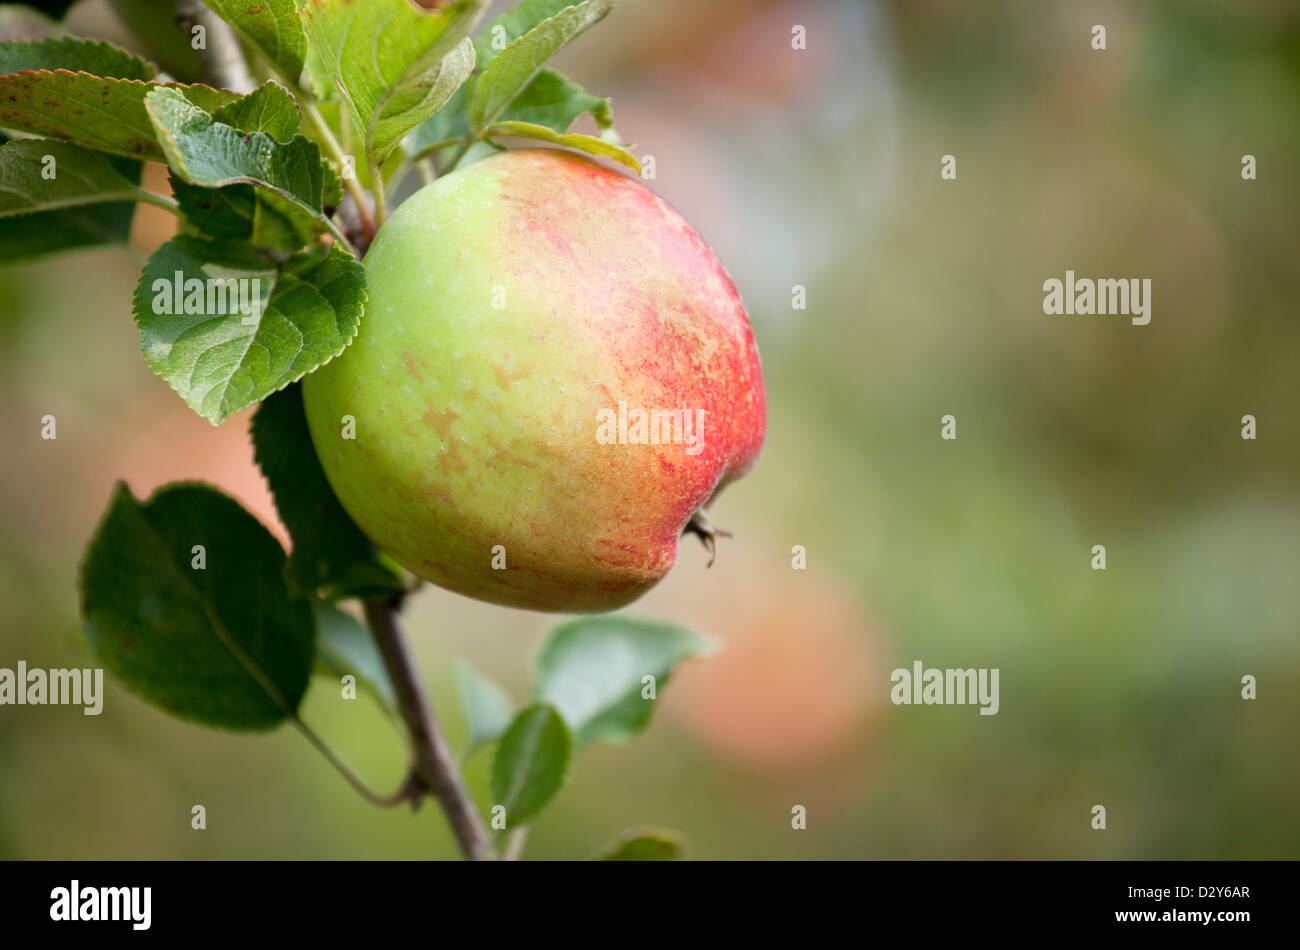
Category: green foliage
[330,554]
[554,101]
[52,232]
[260,215]
[594,671]
[88,93]
[591,687]
[344,647]
[204,151]
[244,213]
[519,89]
[586,143]
[645,844]
[217,641]
[448,125]
[40,175]
[531,761]
[74,54]
[550,99]
[269,108]
[26,235]
[272,27]
[393,64]
[219,362]
[487,706]
[512,24]
[514,68]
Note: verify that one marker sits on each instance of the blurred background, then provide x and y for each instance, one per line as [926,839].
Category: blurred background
[820,167]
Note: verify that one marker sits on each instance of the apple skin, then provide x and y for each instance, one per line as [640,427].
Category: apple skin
[510,302]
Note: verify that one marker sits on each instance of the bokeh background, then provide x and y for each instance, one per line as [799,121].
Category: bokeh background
[820,168]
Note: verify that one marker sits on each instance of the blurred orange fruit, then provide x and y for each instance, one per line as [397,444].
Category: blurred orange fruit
[798,679]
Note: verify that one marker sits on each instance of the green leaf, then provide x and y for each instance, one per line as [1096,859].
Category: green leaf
[319,81]
[556,102]
[248,212]
[282,224]
[329,550]
[513,69]
[47,88]
[592,670]
[344,647]
[103,114]
[223,645]
[547,100]
[216,214]
[487,706]
[586,143]
[269,108]
[402,112]
[37,235]
[78,177]
[40,235]
[273,27]
[393,64]
[531,760]
[203,151]
[221,359]
[244,213]
[404,109]
[550,99]
[74,54]
[331,186]
[512,24]
[448,124]
[644,844]
[27,236]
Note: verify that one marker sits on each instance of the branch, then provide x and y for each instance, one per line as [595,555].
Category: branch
[515,844]
[335,152]
[434,768]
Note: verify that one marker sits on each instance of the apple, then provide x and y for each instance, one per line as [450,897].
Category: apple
[553,377]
